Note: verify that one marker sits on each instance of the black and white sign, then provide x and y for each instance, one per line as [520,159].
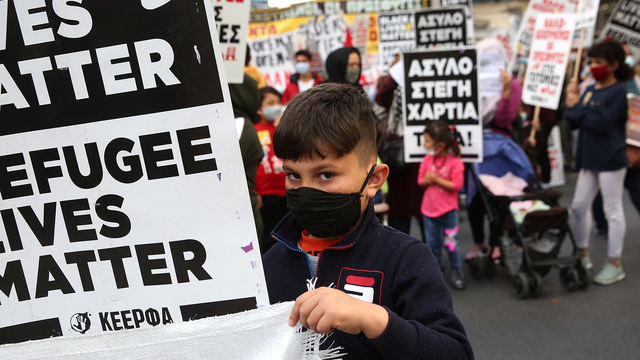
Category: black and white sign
[442,28]
[442,85]
[124,201]
[395,35]
[232,23]
[624,25]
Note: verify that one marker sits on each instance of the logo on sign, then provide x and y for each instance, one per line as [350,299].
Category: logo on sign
[365,285]
[80,322]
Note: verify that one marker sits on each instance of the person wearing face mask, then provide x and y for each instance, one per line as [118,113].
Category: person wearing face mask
[601,115]
[442,175]
[344,66]
[303,79]
[270,177]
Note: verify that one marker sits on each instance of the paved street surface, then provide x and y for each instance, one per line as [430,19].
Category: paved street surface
[601,322]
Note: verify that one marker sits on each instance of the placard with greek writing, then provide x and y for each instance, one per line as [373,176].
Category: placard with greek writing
[442,85]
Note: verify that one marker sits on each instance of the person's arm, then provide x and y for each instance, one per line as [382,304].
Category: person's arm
[508,106]
[422,179]
[600,119]
[384,97]
[423,325]
[574,106]
[287,94]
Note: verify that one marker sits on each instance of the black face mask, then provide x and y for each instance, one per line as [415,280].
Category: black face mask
[325,214]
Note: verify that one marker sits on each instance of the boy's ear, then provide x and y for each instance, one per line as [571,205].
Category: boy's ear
[379,176]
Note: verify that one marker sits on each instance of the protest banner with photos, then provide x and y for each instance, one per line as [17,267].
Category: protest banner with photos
[633,121]
[442,85]
[624,25]
[124,199]
[232,24]
[548,60]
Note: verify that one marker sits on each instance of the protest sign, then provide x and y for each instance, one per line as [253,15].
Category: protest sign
[524,37]
[442,85]
[124,200]
[548,59]
[396,35]
[633,121]
[442,28]
[624,25]
[556,157]
[232,23]
[468,10]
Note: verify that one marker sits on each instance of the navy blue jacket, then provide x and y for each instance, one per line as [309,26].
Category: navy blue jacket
[601,116]
[383,266]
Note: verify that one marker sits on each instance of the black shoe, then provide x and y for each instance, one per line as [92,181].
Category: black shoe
[603,233]
[457,280]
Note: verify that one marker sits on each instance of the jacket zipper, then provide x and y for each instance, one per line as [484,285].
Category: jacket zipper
[306,256]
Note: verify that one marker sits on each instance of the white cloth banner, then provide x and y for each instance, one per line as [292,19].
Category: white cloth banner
[256,334]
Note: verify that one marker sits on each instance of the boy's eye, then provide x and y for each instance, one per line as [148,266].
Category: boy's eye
[326,176]
[293,176]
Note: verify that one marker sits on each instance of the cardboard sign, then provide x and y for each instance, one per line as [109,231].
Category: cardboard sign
[232,23]
[624,25]
[441,28]
[556,157]
[124,200]
[442,85]
[548,59]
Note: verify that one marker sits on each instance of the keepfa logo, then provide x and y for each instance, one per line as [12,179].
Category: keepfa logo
[80,322]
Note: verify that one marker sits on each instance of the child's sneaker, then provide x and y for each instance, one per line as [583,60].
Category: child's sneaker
[609,274]
[586,262]
[457,280]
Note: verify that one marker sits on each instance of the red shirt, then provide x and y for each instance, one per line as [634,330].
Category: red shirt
[269,177]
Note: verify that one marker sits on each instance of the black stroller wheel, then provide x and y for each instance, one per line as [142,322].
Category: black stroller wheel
[521,285]
[584,278]
[569,278]
[535,284]
[476,267]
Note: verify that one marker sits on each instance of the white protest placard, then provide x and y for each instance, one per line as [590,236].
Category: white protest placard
[522,41]
[506,39]
[360,33]
[272,56]
[395,35]
[124,200]
[442,85]
[548,60]
[232,23]
[556,157]
[587,13]
[441,28]
[624,25]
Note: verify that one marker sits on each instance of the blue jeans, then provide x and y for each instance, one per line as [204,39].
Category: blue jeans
[442,232]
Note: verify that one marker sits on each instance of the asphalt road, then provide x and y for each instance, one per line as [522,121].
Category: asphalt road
[601,322]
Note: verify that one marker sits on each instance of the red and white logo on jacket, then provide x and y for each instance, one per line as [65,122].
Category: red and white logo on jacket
[365,285]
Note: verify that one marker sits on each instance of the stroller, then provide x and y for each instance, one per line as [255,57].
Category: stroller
[530,247]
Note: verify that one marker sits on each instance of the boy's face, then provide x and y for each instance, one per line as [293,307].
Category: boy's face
[335,174]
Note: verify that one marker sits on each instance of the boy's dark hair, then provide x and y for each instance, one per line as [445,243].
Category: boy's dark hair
[269,90]
[247,56]
[441,132]
[304,53]
[611,50]
[328,117]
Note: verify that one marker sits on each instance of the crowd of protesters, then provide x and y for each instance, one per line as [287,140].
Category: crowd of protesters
[593,109]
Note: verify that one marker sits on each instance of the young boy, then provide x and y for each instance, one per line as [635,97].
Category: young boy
[378,291]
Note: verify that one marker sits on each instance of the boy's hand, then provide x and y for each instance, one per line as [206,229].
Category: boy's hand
[323,310]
